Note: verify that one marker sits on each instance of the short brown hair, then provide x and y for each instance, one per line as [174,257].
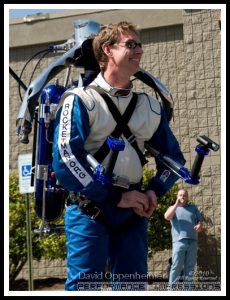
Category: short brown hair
[109,34]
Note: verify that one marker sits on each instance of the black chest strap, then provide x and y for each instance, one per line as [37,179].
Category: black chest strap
[121,127]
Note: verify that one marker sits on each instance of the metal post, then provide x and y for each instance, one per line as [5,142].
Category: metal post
[29,243]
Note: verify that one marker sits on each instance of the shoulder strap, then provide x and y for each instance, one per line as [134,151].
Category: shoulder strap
[121,127]
[121,120]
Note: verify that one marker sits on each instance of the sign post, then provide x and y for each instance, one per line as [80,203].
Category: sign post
[24,166]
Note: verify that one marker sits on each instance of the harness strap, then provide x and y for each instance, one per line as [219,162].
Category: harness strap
[121,127]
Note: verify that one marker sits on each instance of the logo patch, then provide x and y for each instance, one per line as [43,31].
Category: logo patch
[165,175]
[64,146]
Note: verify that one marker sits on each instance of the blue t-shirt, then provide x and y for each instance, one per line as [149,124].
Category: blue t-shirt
[183,222]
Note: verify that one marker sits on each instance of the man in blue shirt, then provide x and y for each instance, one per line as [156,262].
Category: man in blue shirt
[186,222]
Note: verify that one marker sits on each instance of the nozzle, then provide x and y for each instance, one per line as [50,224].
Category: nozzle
[208,143]
[24,132]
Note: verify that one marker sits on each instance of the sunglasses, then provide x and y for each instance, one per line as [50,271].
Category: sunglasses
[131,44]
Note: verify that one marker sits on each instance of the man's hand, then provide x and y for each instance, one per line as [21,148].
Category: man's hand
[179,202]
[142,204]
[197,227]
[152,201]
[134,199]
[170,212]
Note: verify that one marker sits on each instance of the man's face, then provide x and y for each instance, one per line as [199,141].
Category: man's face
[182,196]
[127,53]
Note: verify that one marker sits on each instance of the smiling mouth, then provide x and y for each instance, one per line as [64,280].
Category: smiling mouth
[135,61]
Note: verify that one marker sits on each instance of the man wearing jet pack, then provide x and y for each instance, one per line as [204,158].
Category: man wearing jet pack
[106,222]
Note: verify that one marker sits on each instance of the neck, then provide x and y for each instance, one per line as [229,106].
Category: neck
[117,80]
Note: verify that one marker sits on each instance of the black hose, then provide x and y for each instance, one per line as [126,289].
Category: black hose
[19,91]
[19,81]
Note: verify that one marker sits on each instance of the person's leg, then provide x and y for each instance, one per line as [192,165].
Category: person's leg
[178,257]
[189,263]
[87,251]
[128,257]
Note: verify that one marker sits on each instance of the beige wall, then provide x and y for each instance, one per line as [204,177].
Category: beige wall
[182,49]
[60,25]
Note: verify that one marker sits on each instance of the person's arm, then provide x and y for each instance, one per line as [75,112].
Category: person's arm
[164,141]
[199,218]
[170,212]
[69,160]
[198,226]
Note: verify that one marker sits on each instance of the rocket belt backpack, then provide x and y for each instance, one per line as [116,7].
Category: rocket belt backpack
[87,206]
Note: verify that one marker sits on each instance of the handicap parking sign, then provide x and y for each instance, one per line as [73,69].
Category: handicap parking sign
[24,168]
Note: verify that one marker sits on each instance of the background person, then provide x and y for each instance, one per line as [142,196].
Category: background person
[186,222]
[168,268]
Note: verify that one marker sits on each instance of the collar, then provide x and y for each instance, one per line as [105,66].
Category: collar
[112,91]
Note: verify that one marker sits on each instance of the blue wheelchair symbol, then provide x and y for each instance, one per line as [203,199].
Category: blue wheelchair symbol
[26,171]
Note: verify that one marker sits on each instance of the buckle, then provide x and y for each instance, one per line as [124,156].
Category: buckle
[96,213]
[87,207]
[72,199]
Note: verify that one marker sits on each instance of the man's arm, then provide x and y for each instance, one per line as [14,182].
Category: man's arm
[198,226]
[170,212]
[165,142]
[69,162]
[199,218]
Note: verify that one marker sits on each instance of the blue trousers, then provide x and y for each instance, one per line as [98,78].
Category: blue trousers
[184,256]
[90,246]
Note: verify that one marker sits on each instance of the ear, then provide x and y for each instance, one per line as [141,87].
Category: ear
[107,50]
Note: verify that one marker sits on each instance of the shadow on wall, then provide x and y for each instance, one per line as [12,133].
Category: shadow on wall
[208,260]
